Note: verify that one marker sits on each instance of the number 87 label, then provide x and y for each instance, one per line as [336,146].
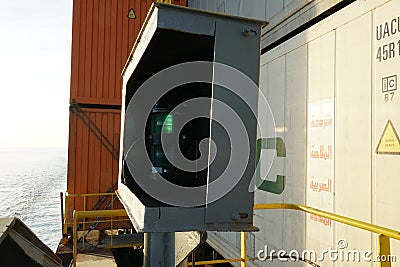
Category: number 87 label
[389,86]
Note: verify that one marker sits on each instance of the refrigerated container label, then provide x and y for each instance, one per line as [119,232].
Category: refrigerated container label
[389,87]
[388,49]
[388,28]
[387,56]
[389,142]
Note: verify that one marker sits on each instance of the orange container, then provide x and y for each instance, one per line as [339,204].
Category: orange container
[102,37]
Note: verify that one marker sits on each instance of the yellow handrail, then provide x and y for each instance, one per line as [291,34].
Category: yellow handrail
[84,196]
[338,218]
[90,214]
[212,262]
[91,195]
[384,234]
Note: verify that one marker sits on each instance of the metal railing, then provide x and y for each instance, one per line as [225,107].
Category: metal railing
[67,221]
[94,214]
[79,218]
[384,234]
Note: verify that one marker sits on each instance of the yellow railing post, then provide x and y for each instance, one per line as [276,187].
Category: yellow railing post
[112,229]
[111,224]
[84,202]
[384,234]
[90,214]
[243,249]
[65,222]
[75,238]
[384,251]
[83,222]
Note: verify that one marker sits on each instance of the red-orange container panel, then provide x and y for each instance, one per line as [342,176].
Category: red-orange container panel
[102,37]
[92,168]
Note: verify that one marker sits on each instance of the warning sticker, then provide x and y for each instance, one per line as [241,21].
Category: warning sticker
[390,142]
[132,14]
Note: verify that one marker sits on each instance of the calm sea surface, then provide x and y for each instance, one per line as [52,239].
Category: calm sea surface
[31,180]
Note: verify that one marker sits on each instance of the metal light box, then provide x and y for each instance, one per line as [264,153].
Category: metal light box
[189,122]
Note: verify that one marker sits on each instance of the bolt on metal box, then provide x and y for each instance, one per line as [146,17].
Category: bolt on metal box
[189,122]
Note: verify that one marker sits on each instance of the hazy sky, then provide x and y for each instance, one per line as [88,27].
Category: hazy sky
[35,50]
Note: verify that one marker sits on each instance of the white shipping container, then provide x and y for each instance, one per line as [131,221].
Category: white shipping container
[333,90]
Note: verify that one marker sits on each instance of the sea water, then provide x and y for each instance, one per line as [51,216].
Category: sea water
[31,180]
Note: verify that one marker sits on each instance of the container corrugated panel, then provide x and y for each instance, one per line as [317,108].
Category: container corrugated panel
[102,36]
[91,167]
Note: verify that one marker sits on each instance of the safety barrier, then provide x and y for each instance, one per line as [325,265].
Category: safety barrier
[79,218]
[94,214]
[67,222]
[384,234]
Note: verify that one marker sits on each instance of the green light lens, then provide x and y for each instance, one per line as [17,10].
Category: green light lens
[168,124]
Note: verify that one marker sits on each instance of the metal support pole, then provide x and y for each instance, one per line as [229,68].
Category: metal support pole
[159,250]
[384,251]
[243,249]
[62,212]
[75,237]
[66,214]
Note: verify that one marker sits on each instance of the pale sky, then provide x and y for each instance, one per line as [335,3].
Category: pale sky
[35,52]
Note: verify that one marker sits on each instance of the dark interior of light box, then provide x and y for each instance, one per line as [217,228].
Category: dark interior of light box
[168,48]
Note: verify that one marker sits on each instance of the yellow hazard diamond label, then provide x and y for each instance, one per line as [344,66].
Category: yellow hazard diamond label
[132,14]
[389,142]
